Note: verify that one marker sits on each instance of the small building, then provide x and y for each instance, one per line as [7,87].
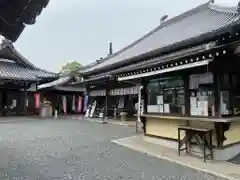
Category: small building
[185,72]
[18,82]
[65,98]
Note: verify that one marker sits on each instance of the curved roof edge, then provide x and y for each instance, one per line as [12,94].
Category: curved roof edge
[17,56]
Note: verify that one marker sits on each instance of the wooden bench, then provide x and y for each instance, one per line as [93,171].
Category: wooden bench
[203,138]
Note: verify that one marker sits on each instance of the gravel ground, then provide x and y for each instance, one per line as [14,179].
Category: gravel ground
[79,150]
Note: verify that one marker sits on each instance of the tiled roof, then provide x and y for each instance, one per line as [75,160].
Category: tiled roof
[69,89]
[156,61]
[11,70]
[8,51]
[40,73]
[58,82]
[16,72]
[198,24]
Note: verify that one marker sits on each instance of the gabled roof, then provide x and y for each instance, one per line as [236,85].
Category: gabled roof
[60,81]
[15,14]
[13,71]
[192,27]
[12,62]
[61,84]
[8,51]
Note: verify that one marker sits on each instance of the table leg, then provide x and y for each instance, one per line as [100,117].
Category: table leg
[211,145]
[204,147]
[179,142]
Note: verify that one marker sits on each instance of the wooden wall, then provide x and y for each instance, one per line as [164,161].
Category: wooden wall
[166,128]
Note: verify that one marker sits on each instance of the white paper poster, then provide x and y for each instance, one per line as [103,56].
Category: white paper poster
[121,102]
[153,108]
[166,108]
[194,111]
[159,100]
[193,101]
[202,108]
[224,109]
[193,106]
[161,109]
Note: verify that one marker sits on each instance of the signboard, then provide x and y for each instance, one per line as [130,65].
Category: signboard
[37,100]
[197,79]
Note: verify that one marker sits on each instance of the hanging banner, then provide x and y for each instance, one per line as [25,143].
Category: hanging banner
[37,100]
[27,102]
[85,103]
[79,109]
[73,103]
[64,103]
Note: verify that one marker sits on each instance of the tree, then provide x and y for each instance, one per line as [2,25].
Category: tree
[69,67]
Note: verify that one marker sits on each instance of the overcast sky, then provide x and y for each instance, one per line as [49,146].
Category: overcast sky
[81,30]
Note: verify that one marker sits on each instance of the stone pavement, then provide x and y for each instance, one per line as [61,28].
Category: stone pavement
[129,123]
[66,149]
[148,146]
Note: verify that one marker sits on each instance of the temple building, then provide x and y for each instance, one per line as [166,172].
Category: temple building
[64,97]
[184,72]
[19,79]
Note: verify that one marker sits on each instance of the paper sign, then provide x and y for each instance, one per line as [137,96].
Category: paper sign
[159,100]
[37,100]
[166,108]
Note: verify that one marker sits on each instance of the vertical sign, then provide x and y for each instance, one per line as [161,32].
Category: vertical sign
[73,103]
[85,103]
[37,100]
[64,102]
[79,109]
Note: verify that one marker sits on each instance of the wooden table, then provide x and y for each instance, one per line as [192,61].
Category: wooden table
[202,136]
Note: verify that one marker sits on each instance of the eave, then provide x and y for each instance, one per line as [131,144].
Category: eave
[13,20]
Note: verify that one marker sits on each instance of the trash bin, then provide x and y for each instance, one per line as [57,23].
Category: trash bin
[123,116]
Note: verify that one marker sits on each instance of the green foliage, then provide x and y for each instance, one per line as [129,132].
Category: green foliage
[69,67]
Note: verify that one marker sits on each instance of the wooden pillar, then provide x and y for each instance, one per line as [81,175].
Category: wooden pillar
[145,95]
[217,95]
[86,95]
[106,99]
[216,90]
[25,99]
[145,102]
[4,102]
[231,95]
[186,94]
